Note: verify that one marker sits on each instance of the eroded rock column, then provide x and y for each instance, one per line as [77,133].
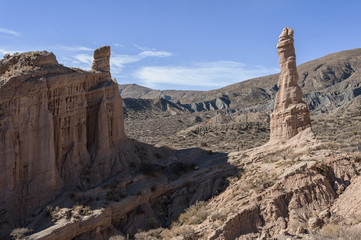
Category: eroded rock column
[291,115]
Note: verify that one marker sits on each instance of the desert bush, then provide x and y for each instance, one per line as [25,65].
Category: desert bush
[53,212]
[82,210]
[195,214]
[334,231]
[186,232]
[153,234]
[19,233]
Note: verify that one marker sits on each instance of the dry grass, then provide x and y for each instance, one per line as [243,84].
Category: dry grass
[334,231]
[20,233]
[195,214]
[82,210]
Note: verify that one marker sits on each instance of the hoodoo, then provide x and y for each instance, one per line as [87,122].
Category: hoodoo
[291,115]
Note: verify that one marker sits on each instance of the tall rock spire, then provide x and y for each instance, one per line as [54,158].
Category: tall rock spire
[291,115]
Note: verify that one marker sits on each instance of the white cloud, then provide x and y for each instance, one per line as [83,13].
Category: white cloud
[204,74]
[155,54]
[84,58]
[4,51]
[8,31]
[72,48]
[117,61]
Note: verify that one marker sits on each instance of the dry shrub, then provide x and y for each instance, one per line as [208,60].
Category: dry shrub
[53,212]
[82,210]
[195,214]
[334,231]
[20,233]
[153,234]
[187,232]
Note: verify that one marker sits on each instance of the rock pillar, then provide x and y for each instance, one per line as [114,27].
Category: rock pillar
[291,115]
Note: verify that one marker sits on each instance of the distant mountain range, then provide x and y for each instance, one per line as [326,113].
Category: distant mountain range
[326,82]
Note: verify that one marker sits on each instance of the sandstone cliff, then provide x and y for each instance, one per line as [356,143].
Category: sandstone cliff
[54,121]
[291,114]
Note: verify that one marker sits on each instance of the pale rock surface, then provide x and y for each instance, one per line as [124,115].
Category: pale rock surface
[291,115]
[53,122]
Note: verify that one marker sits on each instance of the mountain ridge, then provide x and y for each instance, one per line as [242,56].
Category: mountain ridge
[326,82]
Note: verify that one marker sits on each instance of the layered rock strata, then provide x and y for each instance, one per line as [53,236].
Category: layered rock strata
[291,115]
[101,60]
[54,122]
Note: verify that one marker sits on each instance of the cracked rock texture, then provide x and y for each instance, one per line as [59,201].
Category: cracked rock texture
[291,115]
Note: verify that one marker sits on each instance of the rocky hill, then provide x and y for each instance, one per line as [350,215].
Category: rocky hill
[298,185]
[68,170]
[67,167]
[327,83]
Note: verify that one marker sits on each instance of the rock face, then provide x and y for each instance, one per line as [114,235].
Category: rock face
[101,60]
[291,115]
[54,121]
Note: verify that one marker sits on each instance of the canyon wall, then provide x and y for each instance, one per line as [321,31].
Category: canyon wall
[54,122]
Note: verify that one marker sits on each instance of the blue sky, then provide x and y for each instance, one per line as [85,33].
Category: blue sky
[180,44]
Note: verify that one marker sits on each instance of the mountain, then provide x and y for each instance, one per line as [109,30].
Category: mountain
[327,82]
[137,91]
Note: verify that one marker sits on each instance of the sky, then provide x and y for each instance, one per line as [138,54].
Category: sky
[180,44]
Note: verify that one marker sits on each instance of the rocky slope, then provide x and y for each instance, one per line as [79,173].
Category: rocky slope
[69,171]
[292,187]
[67,168]
[326,82]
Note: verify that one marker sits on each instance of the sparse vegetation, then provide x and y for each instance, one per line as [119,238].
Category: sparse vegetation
[195,214]
[334,231]
[53,212]
[20,233]
[82,210]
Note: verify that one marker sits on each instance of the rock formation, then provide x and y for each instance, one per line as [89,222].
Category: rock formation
[291,115]
[54,122]
[101,60]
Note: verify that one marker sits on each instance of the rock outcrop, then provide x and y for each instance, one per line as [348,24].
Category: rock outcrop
[291,115]
[54,122]
[101,61]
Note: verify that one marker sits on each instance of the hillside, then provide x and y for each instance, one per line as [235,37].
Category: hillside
[327,82]
[210,170]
